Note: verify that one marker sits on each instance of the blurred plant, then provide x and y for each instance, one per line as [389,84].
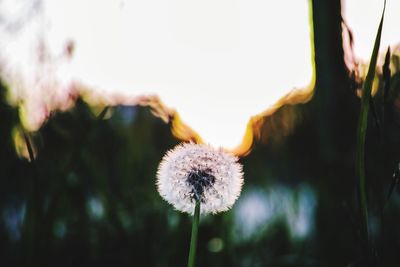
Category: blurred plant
[361,138]
[190,176]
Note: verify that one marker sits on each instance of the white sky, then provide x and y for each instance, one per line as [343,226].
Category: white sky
[363,17]
[217,62]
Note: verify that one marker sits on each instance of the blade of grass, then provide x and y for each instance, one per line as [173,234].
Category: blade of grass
[362,130]
[386,74]
[386,78]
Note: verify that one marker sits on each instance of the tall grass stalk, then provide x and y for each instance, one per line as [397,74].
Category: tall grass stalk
[362,132]
[193,239]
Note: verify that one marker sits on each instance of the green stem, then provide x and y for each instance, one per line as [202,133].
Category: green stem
[362,130]
[193,239]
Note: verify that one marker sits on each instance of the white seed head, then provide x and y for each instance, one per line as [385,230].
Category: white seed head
[192,172]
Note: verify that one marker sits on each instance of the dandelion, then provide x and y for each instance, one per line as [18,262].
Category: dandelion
[191,175]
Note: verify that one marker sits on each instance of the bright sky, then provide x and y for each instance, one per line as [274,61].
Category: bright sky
[217,62]
[363,17]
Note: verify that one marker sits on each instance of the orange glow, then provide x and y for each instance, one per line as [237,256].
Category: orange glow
[255,128]
[216,73]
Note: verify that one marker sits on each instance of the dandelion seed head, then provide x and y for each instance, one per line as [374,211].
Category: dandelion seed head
[192,172]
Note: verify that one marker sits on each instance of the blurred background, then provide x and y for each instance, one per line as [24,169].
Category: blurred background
[89,197]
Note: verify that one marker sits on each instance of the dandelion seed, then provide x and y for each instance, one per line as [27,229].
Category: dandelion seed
[192,173]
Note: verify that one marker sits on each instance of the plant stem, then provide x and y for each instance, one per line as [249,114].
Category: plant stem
[362,131]
[193,238]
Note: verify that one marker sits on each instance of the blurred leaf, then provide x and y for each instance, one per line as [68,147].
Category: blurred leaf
[386,75]
[103,113]
[386,79]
